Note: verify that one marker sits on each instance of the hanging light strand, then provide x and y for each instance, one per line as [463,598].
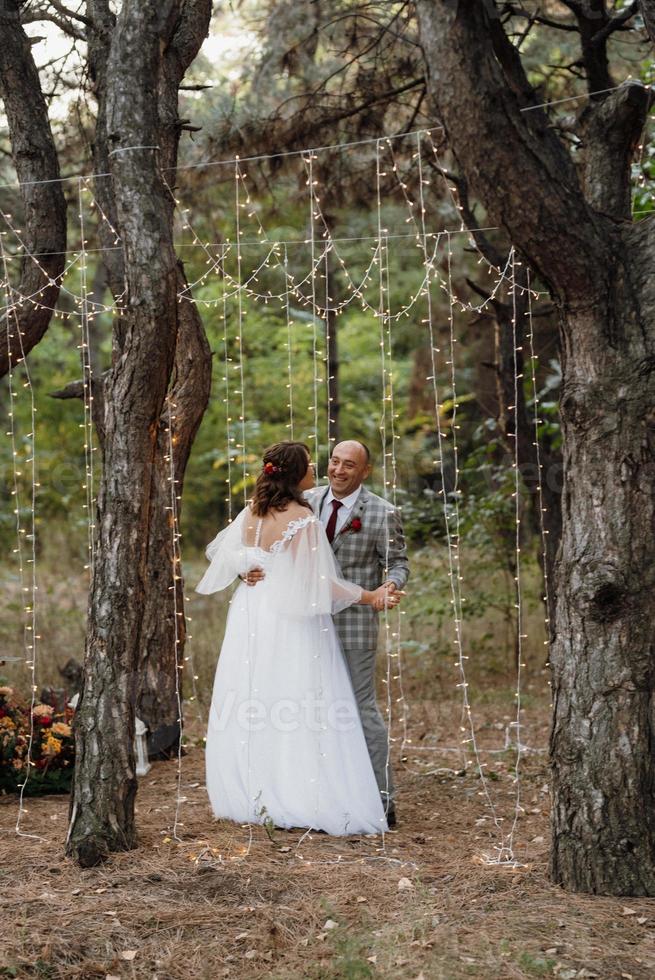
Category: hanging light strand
[240,312]
[381,316]
[30,636]
[546,598]
[289,321]
[393,628]
[313,409]
[176,577]
[87,389]
[507,853]
[227,364]
[467,727]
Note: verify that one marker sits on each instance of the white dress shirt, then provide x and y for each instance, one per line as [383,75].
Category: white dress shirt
[345,511]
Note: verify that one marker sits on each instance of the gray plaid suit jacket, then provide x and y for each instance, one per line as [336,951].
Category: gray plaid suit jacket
[367,557]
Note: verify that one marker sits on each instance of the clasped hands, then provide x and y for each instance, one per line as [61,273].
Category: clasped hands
[386,596]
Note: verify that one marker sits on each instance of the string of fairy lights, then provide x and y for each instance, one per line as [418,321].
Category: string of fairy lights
[87,387]
[501,849]
[231,292]
[382,315]
[313,205]
[30,636]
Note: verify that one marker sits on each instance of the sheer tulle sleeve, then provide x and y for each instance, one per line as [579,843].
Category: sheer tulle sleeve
[227,557]
[304,578]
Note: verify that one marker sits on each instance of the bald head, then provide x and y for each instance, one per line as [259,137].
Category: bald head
[349,466]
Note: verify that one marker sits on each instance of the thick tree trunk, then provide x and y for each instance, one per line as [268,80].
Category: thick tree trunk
[162,648]
[603,656]
[99,33]
[601,272]
[104,789]
[43,225]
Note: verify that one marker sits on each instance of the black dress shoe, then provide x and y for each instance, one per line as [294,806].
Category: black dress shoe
[391,816]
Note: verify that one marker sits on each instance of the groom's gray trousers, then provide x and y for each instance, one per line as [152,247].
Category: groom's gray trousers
[361,666]
[369,553]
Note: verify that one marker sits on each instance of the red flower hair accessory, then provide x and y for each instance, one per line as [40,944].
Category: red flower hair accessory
[270,468]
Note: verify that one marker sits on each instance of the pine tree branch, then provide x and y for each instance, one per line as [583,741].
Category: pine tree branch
[37,168]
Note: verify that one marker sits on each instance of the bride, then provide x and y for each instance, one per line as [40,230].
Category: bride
[285,742]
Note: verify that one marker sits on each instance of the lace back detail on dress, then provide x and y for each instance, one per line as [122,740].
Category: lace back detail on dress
[258,532]
[290,530]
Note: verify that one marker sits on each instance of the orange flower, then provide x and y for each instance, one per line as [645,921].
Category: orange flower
[40,710]
[51,747]
[61,728]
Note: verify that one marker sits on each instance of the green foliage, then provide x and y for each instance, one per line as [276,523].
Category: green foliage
[643,167]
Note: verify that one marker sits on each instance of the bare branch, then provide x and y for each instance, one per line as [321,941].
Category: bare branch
[538,18]
[190,31]
[37,15]
[74,389]
[468,216]
[611,131]
[62,9]
[463,51]
[37,168]
[615,24]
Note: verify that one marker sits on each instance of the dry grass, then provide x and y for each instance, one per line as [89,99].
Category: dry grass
[216,903]
[213,905]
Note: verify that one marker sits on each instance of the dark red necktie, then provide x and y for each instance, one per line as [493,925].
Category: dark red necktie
[332,523]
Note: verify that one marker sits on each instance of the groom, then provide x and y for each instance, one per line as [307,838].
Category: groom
[367,538]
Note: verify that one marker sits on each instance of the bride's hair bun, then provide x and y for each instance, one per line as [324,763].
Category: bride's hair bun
[284,466]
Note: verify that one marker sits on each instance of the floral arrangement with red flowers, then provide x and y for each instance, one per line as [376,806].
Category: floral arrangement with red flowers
[354,527]
[52,753]
[270,468]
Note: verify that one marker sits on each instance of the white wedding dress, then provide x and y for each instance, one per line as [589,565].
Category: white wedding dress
[285,741]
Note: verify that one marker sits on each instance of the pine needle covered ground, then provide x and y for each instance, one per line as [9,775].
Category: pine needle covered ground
[426,905]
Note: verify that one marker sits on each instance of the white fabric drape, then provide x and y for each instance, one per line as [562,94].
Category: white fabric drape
[305,579]
[285,740]
[302,576]
[227,555]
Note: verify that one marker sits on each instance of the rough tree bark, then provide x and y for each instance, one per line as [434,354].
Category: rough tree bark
[600,268]
[162,649]
[104,788]
[99,32]
[160,655]
[35,159]
[162,646]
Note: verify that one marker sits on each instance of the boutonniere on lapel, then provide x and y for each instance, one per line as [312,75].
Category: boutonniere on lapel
[354,527]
